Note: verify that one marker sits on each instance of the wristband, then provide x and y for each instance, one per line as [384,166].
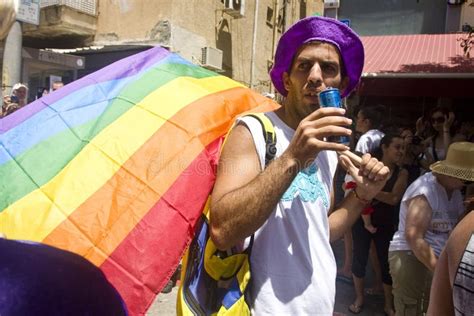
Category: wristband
[362,200]
[367,210]
[350,185]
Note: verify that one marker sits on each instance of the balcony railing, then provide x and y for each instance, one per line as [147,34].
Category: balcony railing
[85,6]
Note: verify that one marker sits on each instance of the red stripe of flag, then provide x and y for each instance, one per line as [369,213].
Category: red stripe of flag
[154,247]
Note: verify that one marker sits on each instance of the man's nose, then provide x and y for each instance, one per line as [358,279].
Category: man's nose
[315,74]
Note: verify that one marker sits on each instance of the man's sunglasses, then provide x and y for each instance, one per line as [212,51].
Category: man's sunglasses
[438,120]
[466,182]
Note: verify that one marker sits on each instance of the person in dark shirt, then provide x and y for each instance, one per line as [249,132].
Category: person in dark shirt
[382,208]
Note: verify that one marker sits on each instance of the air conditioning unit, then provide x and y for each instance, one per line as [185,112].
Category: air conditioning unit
[211,58]
[235,8]
[331,4]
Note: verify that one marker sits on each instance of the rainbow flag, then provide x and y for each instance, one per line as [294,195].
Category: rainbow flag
[117,166]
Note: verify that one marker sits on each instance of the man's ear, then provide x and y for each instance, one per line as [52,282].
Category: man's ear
[286,81]
[344,83]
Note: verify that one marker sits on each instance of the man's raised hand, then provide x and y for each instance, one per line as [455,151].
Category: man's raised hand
[309,138]
[370,176]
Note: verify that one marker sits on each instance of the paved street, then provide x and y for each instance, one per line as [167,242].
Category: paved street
[165,303]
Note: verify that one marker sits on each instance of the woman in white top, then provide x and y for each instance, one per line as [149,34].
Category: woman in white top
[368,123]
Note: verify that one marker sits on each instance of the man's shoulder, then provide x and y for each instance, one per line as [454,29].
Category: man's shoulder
[423,186]
[425,180]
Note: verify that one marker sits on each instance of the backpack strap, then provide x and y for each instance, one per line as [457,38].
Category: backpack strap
[268,134]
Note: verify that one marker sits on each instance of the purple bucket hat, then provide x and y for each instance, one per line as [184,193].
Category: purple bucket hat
[325,30]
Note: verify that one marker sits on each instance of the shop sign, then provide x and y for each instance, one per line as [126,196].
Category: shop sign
[29,11]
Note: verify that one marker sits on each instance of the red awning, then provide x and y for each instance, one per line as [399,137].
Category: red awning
[417,56]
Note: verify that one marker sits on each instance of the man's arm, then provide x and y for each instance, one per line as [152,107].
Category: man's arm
[417,223]
[441,295]
[244,196]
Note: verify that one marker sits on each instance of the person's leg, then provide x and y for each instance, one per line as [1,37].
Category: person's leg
[425,299]
[340,194]
[368,223]
[358,304]
[361,243]
[382,242]
[388,308]
[411,283]
[345,270]
[377,287]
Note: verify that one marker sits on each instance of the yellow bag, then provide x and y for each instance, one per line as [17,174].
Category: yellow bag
[214,282]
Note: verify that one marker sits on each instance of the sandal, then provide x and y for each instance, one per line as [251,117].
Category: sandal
[344,279]
[373,292]
[355,309]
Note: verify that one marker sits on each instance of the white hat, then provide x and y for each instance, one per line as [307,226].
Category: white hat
[19,85]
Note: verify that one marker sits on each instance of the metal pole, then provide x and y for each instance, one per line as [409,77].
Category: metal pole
[11,72]
[276,8]
[285,17]
[254,43]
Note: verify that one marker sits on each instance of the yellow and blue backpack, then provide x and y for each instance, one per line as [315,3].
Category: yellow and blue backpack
[214,282]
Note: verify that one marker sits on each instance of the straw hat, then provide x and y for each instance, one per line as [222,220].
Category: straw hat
[459,162]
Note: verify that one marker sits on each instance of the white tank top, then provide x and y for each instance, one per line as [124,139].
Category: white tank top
[445,213]
[292,263]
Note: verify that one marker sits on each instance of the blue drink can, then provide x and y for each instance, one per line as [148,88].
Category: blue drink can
[332,98]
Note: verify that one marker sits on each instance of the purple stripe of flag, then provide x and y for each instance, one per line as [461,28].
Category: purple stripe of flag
[120,69]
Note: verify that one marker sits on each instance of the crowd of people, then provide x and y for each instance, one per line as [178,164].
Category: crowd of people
[18,97]
[407,224]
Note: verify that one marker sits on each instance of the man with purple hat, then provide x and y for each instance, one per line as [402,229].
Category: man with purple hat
[287,205]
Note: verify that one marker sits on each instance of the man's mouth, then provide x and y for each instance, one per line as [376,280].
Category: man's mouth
[312,94]
[312,97]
